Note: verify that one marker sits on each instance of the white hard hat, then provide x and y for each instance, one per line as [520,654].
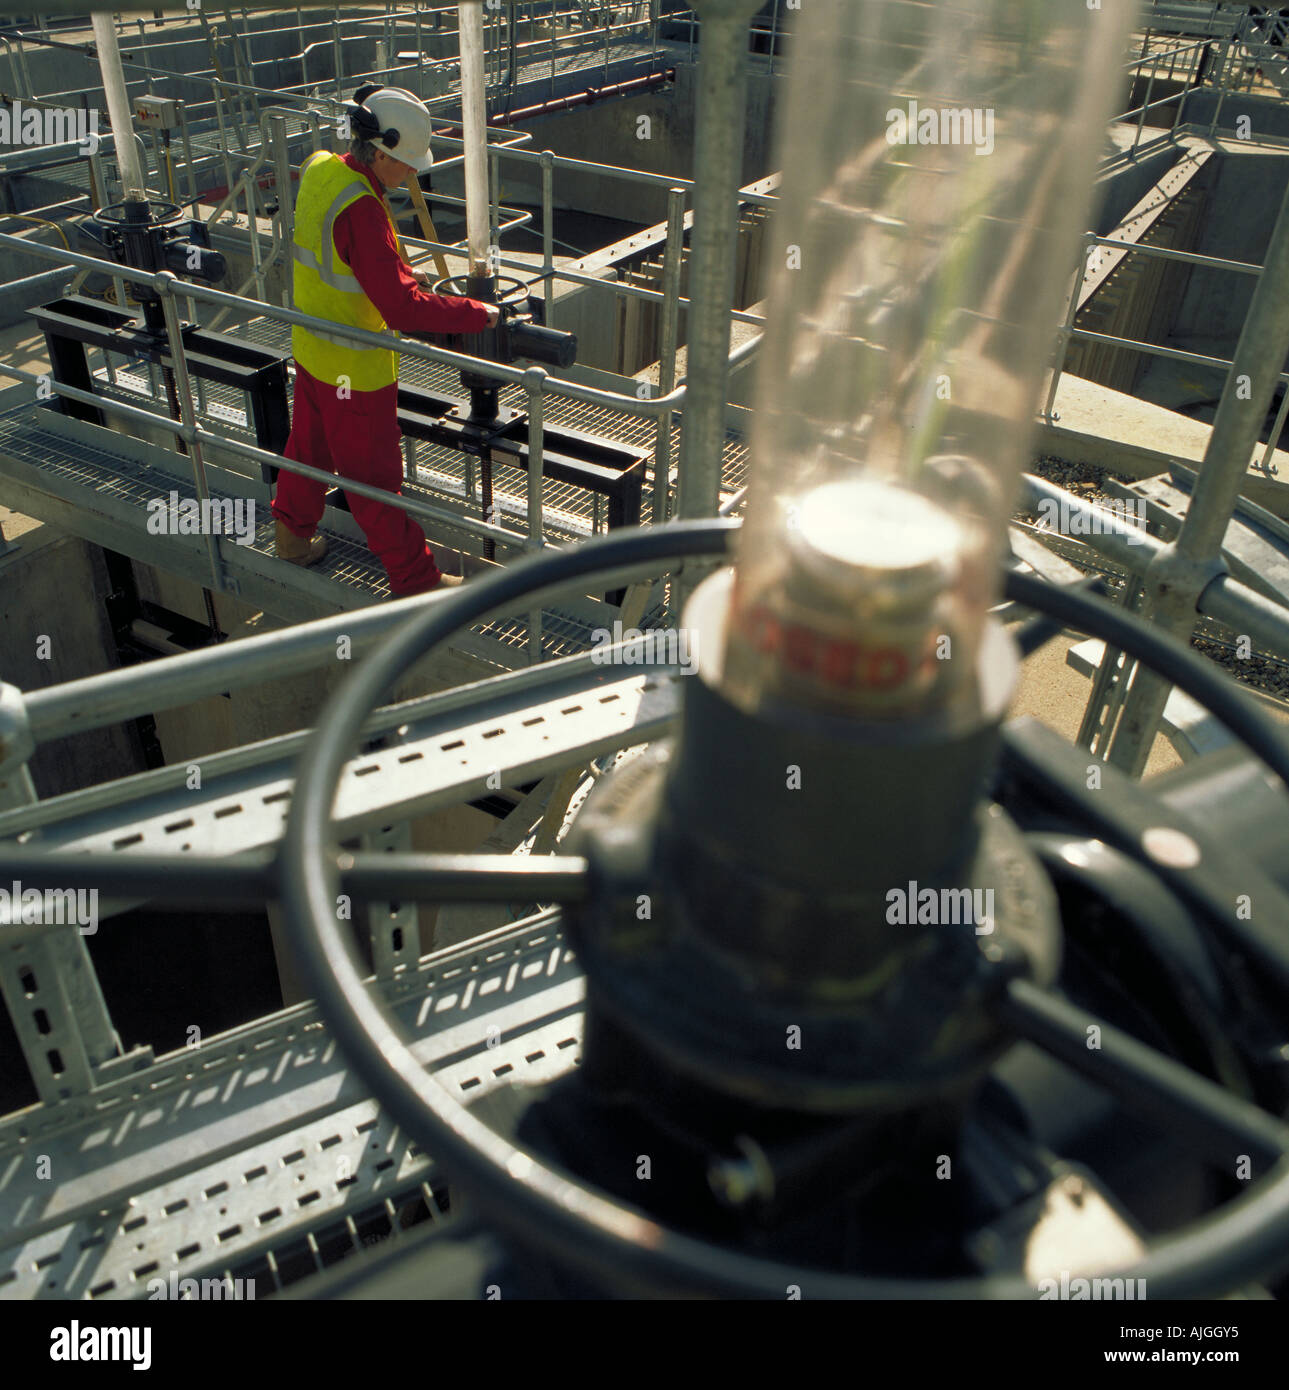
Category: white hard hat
[396,121]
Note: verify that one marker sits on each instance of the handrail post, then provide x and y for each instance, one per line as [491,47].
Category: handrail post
[1177,578]
[718,158]
[163,281]
[548,233]
[669,327]
[534,384]
[1089,241]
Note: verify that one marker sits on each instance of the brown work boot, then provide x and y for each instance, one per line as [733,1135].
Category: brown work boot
[296,549]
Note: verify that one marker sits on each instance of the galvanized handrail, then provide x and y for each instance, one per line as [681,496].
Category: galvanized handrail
[645,408]
[572,41]
[537,385]
[1067,331]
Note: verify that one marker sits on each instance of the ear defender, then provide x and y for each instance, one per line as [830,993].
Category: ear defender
[364,121]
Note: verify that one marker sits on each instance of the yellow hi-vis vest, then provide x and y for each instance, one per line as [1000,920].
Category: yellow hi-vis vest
[325,287]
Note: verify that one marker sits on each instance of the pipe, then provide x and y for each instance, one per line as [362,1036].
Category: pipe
[474,118]
[718,161]
[41,157]
[667,335]
[36,289]
[1176,580]
[587,98]
[118,106]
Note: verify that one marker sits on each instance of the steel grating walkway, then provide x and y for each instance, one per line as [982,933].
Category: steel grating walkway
[443,475]
[127,486]
[631,430]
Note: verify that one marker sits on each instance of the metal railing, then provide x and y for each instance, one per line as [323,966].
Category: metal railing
[1215,48]
[1068,332]
[321,111]
[1186,32]
[535,381]
[399,24]
[235,103]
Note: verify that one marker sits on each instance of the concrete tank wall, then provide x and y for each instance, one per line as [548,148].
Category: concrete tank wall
[609,133]
[55,628]
[1246,194]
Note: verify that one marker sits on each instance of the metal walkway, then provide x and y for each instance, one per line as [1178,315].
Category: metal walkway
[563,504]
[67,473]
[259,1156]
[98,483]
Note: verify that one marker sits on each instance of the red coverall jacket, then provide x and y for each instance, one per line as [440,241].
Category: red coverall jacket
[359,438]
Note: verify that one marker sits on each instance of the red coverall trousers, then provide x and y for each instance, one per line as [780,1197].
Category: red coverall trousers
[356,438]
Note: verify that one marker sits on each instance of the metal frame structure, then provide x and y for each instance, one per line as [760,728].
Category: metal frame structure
[177,1127]
[153,1169]
[701,452]
[257,1155]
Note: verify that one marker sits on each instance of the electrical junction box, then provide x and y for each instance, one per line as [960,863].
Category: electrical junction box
[159,113]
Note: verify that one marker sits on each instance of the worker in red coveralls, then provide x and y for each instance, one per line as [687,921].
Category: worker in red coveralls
[349,270]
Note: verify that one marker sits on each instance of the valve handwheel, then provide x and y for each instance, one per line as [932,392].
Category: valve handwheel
[1245,1240]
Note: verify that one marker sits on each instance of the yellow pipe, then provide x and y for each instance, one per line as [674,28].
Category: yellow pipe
[40,222]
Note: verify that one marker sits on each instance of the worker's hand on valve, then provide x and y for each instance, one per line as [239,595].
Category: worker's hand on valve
[494,315]
[422,277]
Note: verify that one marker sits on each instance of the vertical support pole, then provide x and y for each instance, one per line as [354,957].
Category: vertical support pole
[116,95]
[285,218]
[669,326]
[1178,575]
[1109,686]
[70,366]
[164,281]
[215,86]
[48,982]
[1276,430]
[186,136]
[534,384]
[548,233]
[1221,96]
[393,927]
[718,159]
[1063,351]
[474,134]
[494,196]
[1145,107]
